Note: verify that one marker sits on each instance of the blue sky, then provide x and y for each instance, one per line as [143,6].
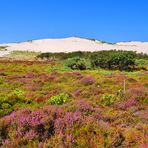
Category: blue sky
[107,20]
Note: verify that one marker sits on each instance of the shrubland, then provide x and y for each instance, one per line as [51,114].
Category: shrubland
[70,102]
[111,60]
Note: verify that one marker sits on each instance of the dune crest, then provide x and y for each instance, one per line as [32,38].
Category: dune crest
[72,44]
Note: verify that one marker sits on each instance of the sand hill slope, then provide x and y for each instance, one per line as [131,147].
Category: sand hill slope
[72,44]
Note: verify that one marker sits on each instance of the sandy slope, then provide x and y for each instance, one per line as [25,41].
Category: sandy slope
[73,44]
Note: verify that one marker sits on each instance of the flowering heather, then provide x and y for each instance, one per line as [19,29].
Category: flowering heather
[30,135]
[143,146]
[144,114]
[69,120]
[127,103]
[29,75]
[47,77]
[77,93]
[87,80]
[140,94]
[120,77]
[75,75]
[93,111]
[41,122]
[83,106]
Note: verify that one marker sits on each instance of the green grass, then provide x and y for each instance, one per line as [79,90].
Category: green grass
[2,48]
[23,55]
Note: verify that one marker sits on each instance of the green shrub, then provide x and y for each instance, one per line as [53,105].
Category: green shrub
[13,101]
[141,62]
[6,106]
[108,99]
[2,112]
[77,63]
[141,56]
[1,80]
[145,100]
[146,85]
[59,99]
[114,60]
[16,96]
[5,109]
[8,103]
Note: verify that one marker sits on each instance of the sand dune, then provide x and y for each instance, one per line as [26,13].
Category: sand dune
[72,44]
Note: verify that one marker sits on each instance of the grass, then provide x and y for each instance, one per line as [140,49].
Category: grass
[23,55]
[2,48]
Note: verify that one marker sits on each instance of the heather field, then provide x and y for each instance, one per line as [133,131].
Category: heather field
[52,104]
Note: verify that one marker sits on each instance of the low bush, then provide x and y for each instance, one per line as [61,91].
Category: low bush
[141,62]
[78,63]
[87,80]
[114,60]
[16,96]
[127,103]
[59,99]
[108,99]
[13,101]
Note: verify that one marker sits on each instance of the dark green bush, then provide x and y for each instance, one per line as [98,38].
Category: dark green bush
[142,56]
[114,60]
[78,63]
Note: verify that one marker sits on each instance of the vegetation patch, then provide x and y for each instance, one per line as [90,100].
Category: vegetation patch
[111,60]
[46,103]
[3,48]
[59,99]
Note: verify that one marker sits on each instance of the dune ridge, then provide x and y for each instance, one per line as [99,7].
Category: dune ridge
[72,44]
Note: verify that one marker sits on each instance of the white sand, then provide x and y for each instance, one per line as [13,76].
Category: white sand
[72,44]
